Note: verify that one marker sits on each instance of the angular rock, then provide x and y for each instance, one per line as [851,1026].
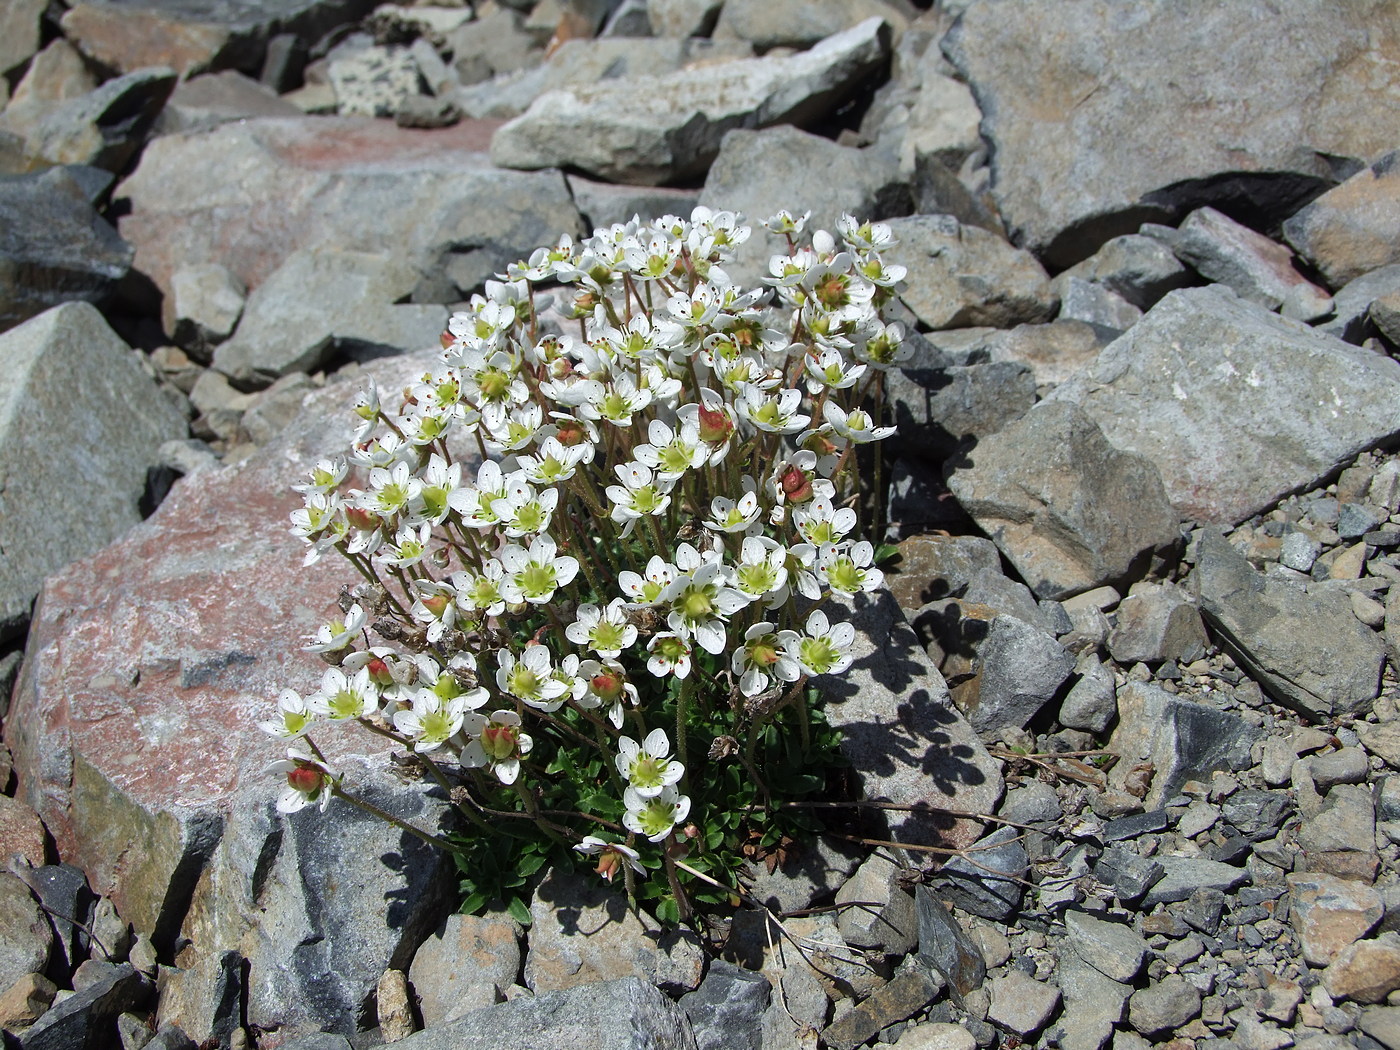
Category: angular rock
[468,963]
[205,305]
[984,881]
[1341,837]
[216,98]
[1021,1003]
[1252,266]
[910,991]
[811,873]
[1091,704]
[1183,876]
[941,410]
[767,24]
[1382,1023]
[1157,622]
[1366,971]
[191,36]
[1226,399]
[1330,913]
[205,1002]
[875,912]
[945,947]
[24,1002]
[932,567]
[626,1014]
[961,276]
[1353,228]
[102,434]
[1383,739]
[1275,629]
[176,836]
[583,932]
[683,17]
[373,81]
[1257,815]
[1351,313]
[726,1011]
[67,901]
[1093,1002]
[54,247]
[652,130]
[1139,269]
[1164,1007]
[1182,739]
[602,203]
[21,834]
[1081,153]
[19,33]
[1066,507]
[428,198]
[26,939]
[1115,950]
[88,1017]
[1108,313]
[319,300]
[905,740]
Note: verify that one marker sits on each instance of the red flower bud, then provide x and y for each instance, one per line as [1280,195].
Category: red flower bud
[305,779]
[796,484]
[379,671]
[607,685]
[715,425]
[362,519]
[571,433]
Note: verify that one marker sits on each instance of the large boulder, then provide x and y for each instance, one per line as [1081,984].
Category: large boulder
[668,128]
[248,194]
[134,732]
[1108,116]
[1235,405]
[81,424]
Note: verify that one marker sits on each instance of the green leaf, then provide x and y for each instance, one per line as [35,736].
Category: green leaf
[474,903]
[885,552]
[668,911]
[530,864]
[518,911]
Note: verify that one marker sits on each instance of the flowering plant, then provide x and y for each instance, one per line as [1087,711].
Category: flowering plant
[594,544]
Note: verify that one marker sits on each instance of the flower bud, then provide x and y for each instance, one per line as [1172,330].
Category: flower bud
[609,864]
[607,684]
[379,672]
[436,604]
[364,520]
[305,779]
[796,484]
[498,741]
[715,425]
[571,432]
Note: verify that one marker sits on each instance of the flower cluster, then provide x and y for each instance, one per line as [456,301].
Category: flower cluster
[622,496]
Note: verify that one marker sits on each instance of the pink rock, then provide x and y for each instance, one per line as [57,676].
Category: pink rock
[1330,913]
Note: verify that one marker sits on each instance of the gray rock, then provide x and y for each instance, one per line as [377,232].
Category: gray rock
[1093,1002]
[102,434]
[469,962]
[1185,875]
[1081,153]
[1255,814]
[1252,266]
[933,567]
[909,992]
[875,912]
[318,300]
[430,199]
[1034,802]
[1054,351]
[205,1002]
[1129,875]
[1109,313]
[203,308]
[216,98]
[583,932]
[1347,765]
[1021,1003]
[1115,950]
[54,247]
[1353,228]
[767,24]
[1183,740]
[1329,913]
[814,874]
[86,1017]
[1340,838]
[1139,269]
[668,128]
[683,17]
[799,1000]
[493,44]
[1065,506]
[19,33]
[1227,441]
[1164,1007]
[1157,622]
[726,1011]
[626,1014]
[1366,972]
[905,740]
[1274,628]
[373,81]
[26,938]
[1092,702]
[945,947]
[1351,313]
[964,275]
[940,411]
[759,173]
[991,588]
[984,881]
[603,204]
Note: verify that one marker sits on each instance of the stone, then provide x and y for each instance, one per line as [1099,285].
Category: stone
[1352,228]
[1139,269]
[1022,1004]
[1163,1007]
[1093,304]
[909,992]
[875,911]
[1256,814]
[55,247]
[1346,765]
[942,411]
[1157,622]
[1381,1023]
[652,130]
[19,33]
[1272,628]
[1383,739]
[726,1011]
[766,24]
[945,947]
[985,880]
[21,835]
[626,1014]
[429,198]
[88,1014]
[1249,264]
[933,566]
[203,308]
[602,204]
[216,98]
[683,17]
[319,300]
[495,43]
[1110,151]
[799,1001]
[394,1007]
[761,172]
[1351,319]
[24,1002]
[809,874]
[936,1035]
[1199,408]
[1183,876]
[206,1001]
[373,81]
[104,431]
[1129,874]
[103,128]
[583,932]
[192,37]
[1091,703]
[469,962]
[1115,950]
[1329,913]
[1053,351]
[905,740]
[1366,971]
[1093,1002]
[962,276]
[25,933]
[1341,837]
[1065,507]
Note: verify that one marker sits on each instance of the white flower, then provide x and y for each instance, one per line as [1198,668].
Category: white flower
[727,515]
[668,654]
[613,856]
[654,816]
[480,592]
[829,369]
[700,602]
[534,575]
[308,782]
[554,462]
[325,477]
[847,572]
[784,222]
[523,512]
[824,648]
[431,721]
[293,719]
[775,414]
[640,494]
[338,634]
[435,607]
[820,523]
[647,590]
[606,631]
[648,766]
[856,426]
[671,453]
[766,654]
[340,698]
[606,684]
[531,678]
[408,547]
[496,742]
[761,571]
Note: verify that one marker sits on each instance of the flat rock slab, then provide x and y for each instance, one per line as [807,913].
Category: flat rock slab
[81,423]
[194,35]
[134,734]
[246,195]
[654,130]
[1235,405]
[1107,118]
[1306,647]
